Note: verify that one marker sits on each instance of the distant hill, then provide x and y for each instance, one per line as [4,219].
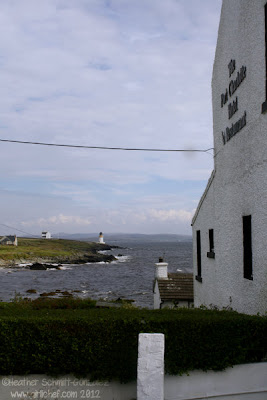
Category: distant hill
[126,237]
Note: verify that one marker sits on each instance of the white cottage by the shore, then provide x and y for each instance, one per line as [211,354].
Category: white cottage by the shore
[230,223]
[46,235]
[172,290]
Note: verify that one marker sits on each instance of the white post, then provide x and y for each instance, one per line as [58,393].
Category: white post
[150,370]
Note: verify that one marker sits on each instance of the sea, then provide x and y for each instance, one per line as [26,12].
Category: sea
[130,277]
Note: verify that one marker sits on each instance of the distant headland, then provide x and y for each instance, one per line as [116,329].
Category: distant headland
[59,251]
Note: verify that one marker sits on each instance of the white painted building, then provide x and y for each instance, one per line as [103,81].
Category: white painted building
[230,223]
[9,240]
[172,290]
[46,235]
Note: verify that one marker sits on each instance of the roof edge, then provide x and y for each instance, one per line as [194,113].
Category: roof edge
[203,197]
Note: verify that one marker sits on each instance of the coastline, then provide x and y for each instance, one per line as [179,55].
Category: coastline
[72,255]
[83,259]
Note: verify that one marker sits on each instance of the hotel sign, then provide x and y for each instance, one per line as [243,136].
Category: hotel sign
[234,84]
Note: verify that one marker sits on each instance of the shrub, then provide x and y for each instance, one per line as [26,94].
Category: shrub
[104,343]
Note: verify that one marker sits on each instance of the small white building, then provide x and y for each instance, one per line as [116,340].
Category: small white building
[172,290]
[46,235]
[9,240]
[230,223]
[101,238]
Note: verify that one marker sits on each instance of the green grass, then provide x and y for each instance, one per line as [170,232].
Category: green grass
[48,249]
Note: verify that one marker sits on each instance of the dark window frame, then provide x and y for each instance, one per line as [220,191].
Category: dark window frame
[199,267]
[247,247]
[211,253]
[264,105]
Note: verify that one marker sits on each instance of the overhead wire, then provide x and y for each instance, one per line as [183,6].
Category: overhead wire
[19,230]
[105,147]
[97,148]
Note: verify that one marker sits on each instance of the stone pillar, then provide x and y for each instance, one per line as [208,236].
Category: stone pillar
[150,370]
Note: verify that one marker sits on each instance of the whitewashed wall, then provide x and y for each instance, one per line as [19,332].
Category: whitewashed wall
[205,221]
[240,182]
[243,382]
[156,296]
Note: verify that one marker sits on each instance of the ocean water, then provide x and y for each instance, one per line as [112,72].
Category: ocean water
[129,277]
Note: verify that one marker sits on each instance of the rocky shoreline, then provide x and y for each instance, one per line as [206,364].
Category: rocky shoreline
[95,256]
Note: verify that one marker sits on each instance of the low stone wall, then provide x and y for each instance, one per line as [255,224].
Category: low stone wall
[67,387]
[242,382]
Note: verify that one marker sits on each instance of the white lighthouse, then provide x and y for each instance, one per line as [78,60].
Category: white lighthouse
[101,238]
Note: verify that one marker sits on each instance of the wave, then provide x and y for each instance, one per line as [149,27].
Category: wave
[121,259]
[25,264]
[139,293]
[65,267]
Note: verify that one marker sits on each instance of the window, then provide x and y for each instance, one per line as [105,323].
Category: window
[264,105]
[211,253]
[198,277]
[247,247]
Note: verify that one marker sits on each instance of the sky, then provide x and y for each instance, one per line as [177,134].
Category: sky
[112,73]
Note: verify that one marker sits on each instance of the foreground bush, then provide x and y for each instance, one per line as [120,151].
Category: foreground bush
[104,343]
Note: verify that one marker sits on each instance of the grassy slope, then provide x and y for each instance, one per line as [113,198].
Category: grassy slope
[52,249]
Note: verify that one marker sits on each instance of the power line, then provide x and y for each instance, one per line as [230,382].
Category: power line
[105,147]
[11,227]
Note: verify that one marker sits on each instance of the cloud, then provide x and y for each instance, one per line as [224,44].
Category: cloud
[60,219]
[171,215]
[117,74]
[112,220]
